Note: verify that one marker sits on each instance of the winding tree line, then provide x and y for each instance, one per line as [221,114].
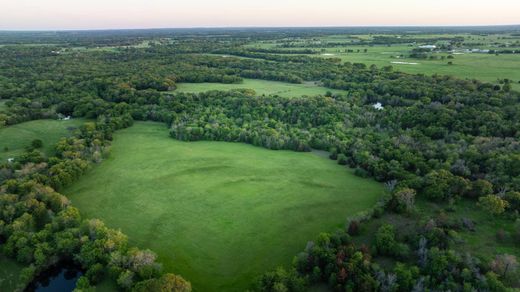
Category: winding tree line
[437,137]
[40,228]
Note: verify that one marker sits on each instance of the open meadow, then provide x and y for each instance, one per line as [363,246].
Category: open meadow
[261,87]
[218,213]
[16,138]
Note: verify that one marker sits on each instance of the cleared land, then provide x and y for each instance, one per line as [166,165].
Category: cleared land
[218,213]
[261,87]
[17,137]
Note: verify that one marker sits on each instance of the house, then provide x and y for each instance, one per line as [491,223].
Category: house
[429,47]
[480,51]
[63,118]
[10,160]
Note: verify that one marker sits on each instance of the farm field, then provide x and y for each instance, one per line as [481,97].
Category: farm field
[17,137]
[485,67]
[218,213]
[261,87]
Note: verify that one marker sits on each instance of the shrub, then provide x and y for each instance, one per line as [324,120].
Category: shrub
[493,204]
[353,228]
[516,231]
[37,143]
[342,159]
[361,172]
[480,188]
[403,200]
[386,243]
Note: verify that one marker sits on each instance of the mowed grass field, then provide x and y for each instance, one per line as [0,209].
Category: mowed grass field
[261,87]
[218,213]
[17,137]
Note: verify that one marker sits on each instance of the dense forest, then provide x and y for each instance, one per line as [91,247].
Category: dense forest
[436,138]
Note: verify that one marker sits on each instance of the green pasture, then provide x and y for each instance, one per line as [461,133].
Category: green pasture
[218,213]
[261,87]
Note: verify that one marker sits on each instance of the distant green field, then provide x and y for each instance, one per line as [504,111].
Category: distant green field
[261,87]
[9,274]
[486,67]
[17,137]
[218,213]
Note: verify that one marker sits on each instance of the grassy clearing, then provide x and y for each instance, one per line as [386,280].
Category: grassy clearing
[218,213]
[9,273]
[261,87]
[17,137]
[482,242]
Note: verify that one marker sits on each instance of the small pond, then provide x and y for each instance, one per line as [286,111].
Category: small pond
[61,278]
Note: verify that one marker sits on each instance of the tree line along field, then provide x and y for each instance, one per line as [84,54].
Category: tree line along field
[218,213]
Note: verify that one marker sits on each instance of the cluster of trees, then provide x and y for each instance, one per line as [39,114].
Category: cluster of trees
[335,259]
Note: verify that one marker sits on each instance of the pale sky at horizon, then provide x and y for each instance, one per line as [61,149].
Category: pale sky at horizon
[113,14]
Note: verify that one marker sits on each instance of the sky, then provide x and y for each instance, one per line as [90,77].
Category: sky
[114,14]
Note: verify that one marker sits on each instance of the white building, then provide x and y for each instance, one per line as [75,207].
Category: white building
[378,106]
[429,47]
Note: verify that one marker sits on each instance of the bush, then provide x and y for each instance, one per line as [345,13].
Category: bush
[361,172]
[281,280]
[353,228]
[493,204]
[403,200]
[480,188]
[516,231]
[385,239]
[37,143]
[342,159]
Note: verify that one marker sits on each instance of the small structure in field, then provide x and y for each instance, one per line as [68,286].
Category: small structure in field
[63,118]
[10,160]
[428,47]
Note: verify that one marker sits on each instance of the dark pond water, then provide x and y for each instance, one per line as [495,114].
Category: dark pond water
[61,278]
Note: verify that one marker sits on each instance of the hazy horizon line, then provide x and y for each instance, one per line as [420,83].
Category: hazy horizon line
[259,27]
